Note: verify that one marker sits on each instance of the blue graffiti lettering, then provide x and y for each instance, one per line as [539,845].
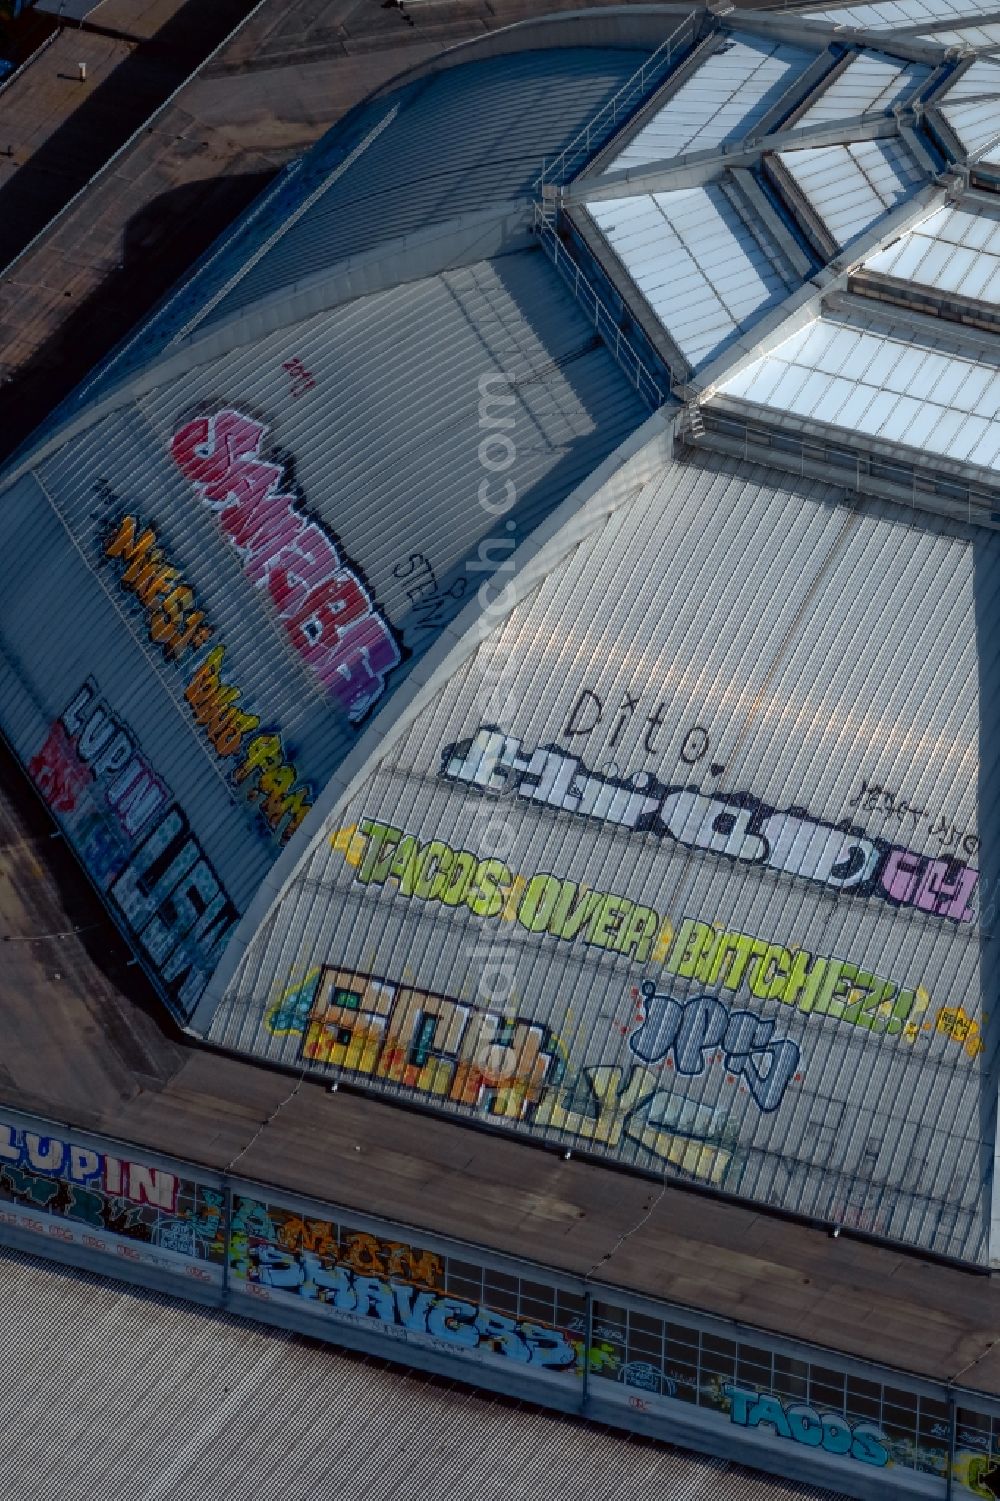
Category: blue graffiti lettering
[805,1425]
[692,1030]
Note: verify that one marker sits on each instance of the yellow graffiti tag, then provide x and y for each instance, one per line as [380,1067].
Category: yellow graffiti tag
[420,1039]
[961,1028]
[349,843]
[176,627]
[623,1099]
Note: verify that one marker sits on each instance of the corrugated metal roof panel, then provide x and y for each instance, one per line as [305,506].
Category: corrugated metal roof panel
[112,745]
[429,166]
[956,250]
[721,101]
[705,275]
[850,187]
[871,81]
[408,363]
[871,376]
[362,434]
[149,1397]
[426,166]
[728,721]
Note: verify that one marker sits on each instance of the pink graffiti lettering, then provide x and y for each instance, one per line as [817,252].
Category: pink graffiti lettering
[57,771]
[326,612]
[210,447]
[301,569]
[329,616]
[357,668]
[302,380]
[944,887]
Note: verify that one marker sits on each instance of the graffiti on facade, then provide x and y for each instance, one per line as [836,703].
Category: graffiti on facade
[638,1113]
[433,871]
[173,901]
[814,984]
[198,1230]
[806,1425]
[981,1473]
[106,1193]
[324,606]
[259,766]
[508,1067]
[300,380]
[874,798]
[89,745]
[422,1040]
[135,841]
[957,1025]
[710,954]
[53,1158]
[58,772]
[175,623]
[395,1301]
[359,1250]
[648,1378]
[738,827]
[432,604]
[691,1033]
[643,1355]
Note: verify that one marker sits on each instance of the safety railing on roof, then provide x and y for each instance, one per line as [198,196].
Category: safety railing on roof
[863,469]
[603,320]
[618,108]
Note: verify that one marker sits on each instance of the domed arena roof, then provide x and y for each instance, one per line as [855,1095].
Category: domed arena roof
[516,630]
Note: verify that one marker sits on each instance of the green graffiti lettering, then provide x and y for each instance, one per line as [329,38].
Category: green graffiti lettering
[488,894]
[568,920]
[719,958]
[459,879]
[901,1009]
[538,903]
[605,926]
[768,976]
[378,836]
[403,867]
[431,870]
[836,988]
[639,933]
[747,950]
[804,979]
[692,939]
[864,996]
[618,1103]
